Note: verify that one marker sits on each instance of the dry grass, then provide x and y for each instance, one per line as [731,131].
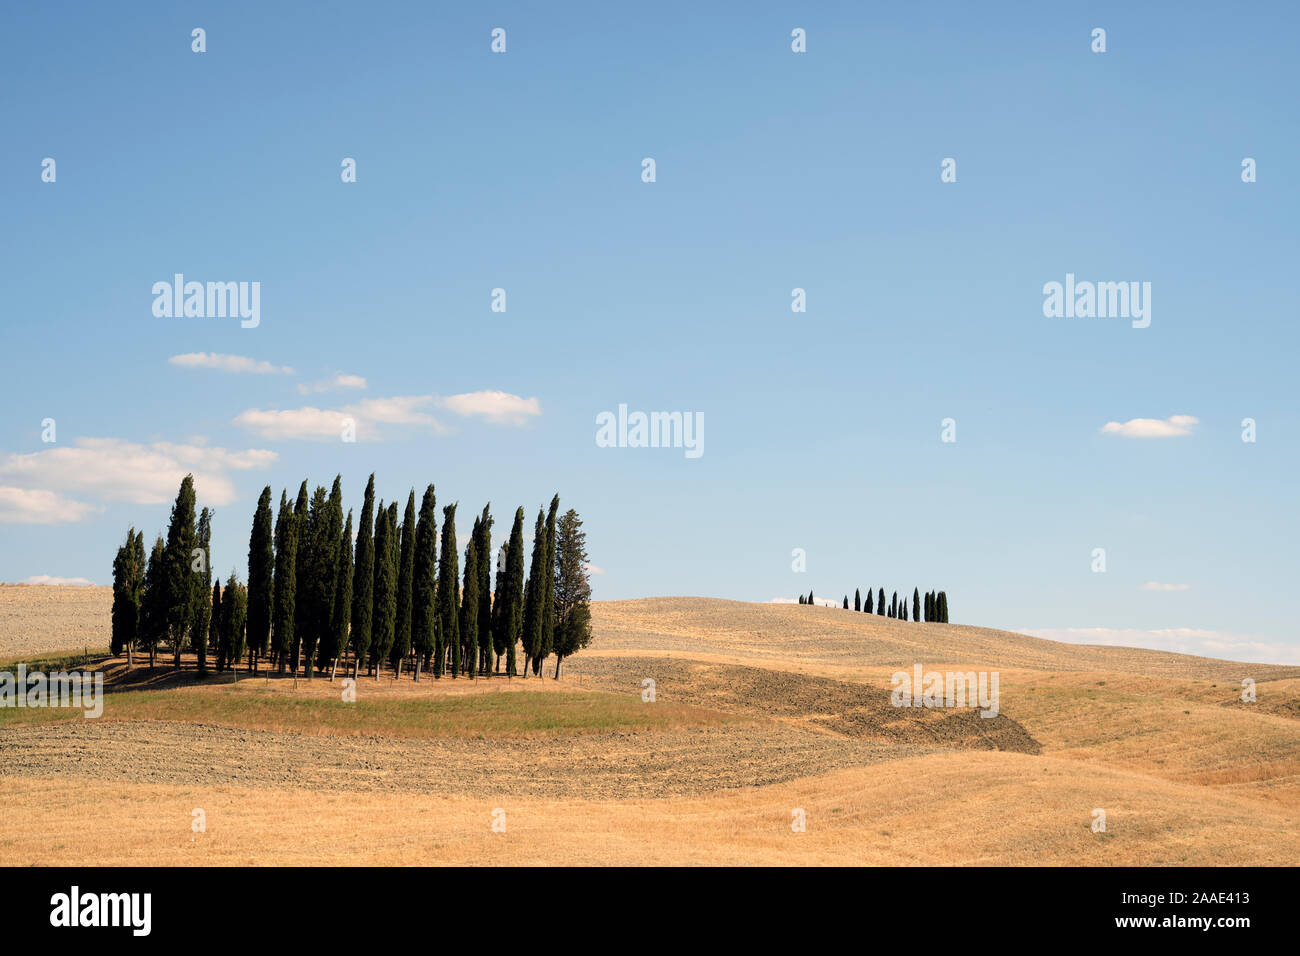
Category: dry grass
[765,708]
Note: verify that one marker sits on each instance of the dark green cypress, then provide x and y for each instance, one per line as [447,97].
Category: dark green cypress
[425,596]
[572,589]
[153,600]
[213,636]
[384,620]
[180,582]
[867,606]
[405,587]
[284,606]
[916,604]
[302,575]
[534,594]
[342,616]
[512,616]
[261,577]
[234,617]
[857,600]
[128,579]
[363,579]
[801,598]
[448,595]
[320,544]
[880,602]
[469,605]
[202,609]
[485,590]
[548,589]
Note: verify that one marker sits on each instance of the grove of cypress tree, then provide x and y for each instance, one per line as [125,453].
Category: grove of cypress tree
[469,604]
[261,577]
[424,594]
[286,589]
[363,579]
[405,587]
[448,595]
[534,594]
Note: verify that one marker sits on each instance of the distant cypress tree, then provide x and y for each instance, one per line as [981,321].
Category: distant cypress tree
[128,580]
[916,604]
[811,599]
[868,607]
[469,605]
[448,596]
[405,587]
[880,603]
[801,598]
[234,616]
[485,590]
[286,587]
[424,597]
[893,605]
[846,602]
[512,615]
[363,579]
[384,617]
[857,600]
[324,528]
[943,607]
[261,577]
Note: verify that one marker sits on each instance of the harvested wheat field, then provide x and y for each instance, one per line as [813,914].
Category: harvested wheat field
[762,715]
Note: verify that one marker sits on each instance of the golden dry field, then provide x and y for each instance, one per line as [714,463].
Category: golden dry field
[760,710]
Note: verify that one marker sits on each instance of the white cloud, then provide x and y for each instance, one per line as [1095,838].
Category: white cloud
[39,506]
[228,363]
[49,581]
[326,424]
[499,408]
[1171,427]
[1180,640]
[337,380]
[594,569]
[117,470]
[1157,586]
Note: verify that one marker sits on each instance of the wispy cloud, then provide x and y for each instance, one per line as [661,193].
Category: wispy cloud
[117,470]
[327,424]
[50,581]
[337,380]
[1172,427]
[500,408]
[1180,640]
[1158,586]
[39,506]
[228,363]
[594,569]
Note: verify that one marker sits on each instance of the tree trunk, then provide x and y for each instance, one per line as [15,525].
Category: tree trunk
[397,669]
[558,658]
[334,669]
[417,668]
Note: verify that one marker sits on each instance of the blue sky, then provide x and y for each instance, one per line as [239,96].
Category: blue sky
[775,170]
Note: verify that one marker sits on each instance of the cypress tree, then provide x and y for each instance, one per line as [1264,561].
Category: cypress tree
[810,598]
[880,602]
[363,579]
[424,595]
[857,600]
[261,579]
[548,590]
[801,598]
[286,576]
[469,604]
[234,615]
[846,602]
[302,574]
[867,607]
[499,606]
[534,595]
[214,623]
[128,579]
[572,589]
[316,563]
[337,641]
[512,616]
[201,611]
[916,604]
[893,605]
[943,607]
[448,595]
[384,619]
[405,587]
[180,580]
[153,600]
[485,590]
